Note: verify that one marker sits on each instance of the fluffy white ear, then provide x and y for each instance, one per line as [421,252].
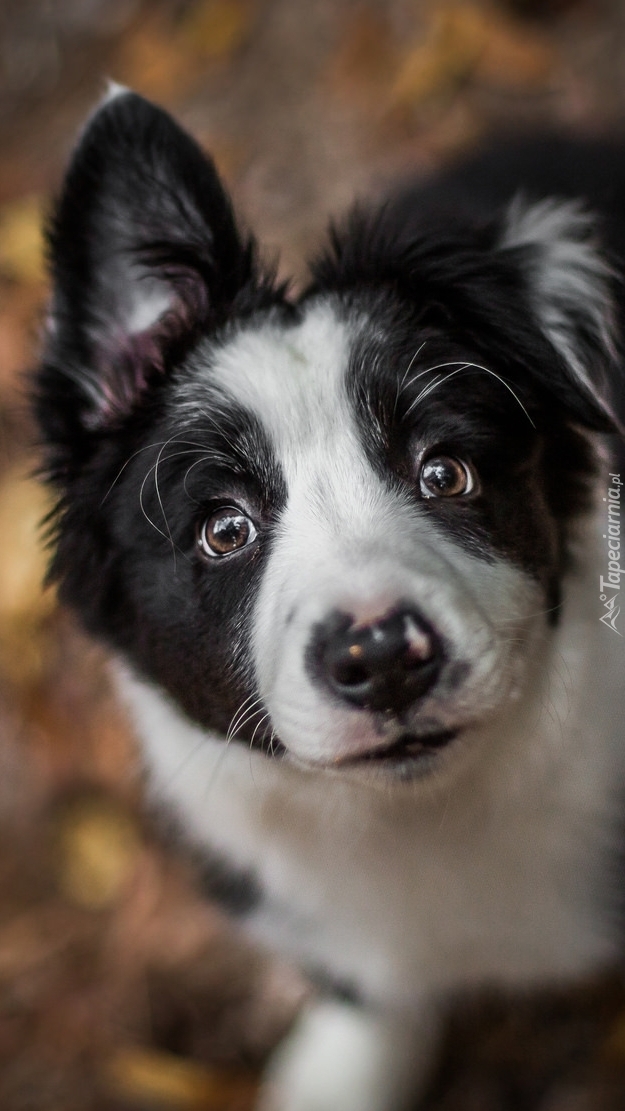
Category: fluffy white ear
[570,285]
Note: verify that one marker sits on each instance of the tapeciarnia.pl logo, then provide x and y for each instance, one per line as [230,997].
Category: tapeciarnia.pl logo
[609,587]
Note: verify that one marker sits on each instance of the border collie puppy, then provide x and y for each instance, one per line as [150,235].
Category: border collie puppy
[351,553]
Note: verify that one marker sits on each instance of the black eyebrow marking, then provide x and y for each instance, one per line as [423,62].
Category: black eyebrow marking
[232,438]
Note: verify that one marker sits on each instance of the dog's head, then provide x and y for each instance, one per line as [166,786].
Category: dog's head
[333,526]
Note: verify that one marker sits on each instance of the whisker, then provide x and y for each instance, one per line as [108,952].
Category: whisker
[160,500]
[535,613]
[264,718]
[406,373]
[143,509]
[211,420]
[252,699]
[205,458]
[153,523]
[475,366]
[272,738]
[440,380]
[427,389]
[246,720]
[431,369]
[247,710]
[147,447]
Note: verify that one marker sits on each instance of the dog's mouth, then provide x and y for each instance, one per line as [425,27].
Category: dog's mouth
[408,746]
[406,755]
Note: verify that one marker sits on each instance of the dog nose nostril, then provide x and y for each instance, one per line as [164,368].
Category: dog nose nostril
[349,673]
[385,665]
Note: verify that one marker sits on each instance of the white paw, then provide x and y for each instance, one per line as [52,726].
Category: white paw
[342,1058]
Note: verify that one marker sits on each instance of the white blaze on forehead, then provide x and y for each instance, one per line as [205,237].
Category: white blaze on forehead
[292,379]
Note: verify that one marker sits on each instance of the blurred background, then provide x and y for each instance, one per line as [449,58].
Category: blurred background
[120,987]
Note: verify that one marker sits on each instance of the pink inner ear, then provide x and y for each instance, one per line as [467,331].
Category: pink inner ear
[130,359]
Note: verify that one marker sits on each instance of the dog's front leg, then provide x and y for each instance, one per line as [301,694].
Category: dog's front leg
[341,1057]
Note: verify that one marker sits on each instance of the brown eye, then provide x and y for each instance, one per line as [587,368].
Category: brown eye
[442,476]
[226,531]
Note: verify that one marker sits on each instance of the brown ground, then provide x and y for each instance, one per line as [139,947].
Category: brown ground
[119,988]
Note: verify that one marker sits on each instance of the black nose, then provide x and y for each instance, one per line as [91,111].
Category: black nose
[385,665]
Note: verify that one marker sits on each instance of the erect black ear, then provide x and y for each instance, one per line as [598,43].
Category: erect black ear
[571,292]
[144,252]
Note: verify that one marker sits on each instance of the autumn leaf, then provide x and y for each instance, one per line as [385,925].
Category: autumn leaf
[98,848]
[21,241]
[24,604]
[182,1085]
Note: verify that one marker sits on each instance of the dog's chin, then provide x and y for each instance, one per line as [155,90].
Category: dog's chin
[409,757]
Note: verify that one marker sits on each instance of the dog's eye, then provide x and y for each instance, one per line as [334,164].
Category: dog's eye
[442,476]
[227,530]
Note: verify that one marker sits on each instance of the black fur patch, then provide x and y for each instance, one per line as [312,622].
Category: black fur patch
[420,388]
[455,274]
[127,556]
[237,892]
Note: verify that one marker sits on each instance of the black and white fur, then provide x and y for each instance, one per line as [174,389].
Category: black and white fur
[446,813]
